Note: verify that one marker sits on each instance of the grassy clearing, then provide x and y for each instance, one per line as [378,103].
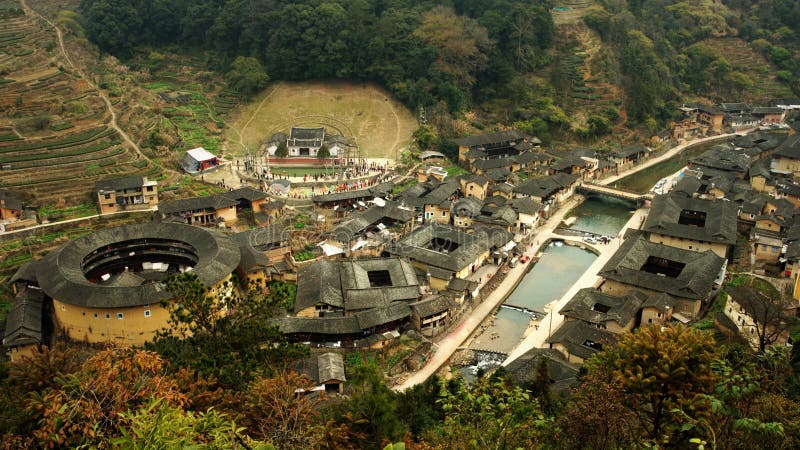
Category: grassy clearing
[381,125]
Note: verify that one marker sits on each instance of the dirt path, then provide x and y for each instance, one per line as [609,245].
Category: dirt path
[113,122]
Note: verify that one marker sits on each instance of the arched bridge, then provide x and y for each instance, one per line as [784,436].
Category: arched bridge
[611,192]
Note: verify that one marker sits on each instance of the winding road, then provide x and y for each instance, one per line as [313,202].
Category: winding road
[113,122]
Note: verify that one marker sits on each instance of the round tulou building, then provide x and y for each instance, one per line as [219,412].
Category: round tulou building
[106,287]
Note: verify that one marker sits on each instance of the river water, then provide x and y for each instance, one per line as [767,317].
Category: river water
[642,181]
[555,272]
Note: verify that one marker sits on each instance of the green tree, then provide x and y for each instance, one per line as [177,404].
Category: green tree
[282,151]
[323,152]
[204,326]
[159,425]
[489,415]
[425,137]
[246,75]
[660,370]
[114,25]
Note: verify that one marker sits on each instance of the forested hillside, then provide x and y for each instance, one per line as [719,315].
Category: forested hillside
[500,61]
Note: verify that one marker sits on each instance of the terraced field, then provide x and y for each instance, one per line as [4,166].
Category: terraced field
[744,59]
[54,138]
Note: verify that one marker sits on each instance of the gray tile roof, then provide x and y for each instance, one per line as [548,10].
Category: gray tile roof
[582,339]
[118,184]
[61,276]
[345,284]
[307,133]
[252,259]
[524,369]
[356,223]
[723,157]
[9,201]
[212,202]
[525,205]
[546,186]
[416,245]
[432,305]
[720,219]
[331,367]
[660,301]
[595,307]
[500,137]
[263,238]
[379,190]
[790,148]
[694,281]
[630,151]
[24,320]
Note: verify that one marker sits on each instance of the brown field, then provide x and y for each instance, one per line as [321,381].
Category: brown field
[380,124]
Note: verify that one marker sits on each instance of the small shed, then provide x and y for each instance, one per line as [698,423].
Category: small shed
[199,160]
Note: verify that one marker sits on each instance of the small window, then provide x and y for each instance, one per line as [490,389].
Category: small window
[147,313]
[108,316]
[95,315]
[149,188]
[690,247]
[107,196]
[444,213]
[119,315]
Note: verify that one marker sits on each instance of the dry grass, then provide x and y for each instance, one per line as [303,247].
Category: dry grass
[380,124]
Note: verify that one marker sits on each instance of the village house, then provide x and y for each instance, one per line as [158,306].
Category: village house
[269,211]
[528,213]
[346,199]
[769,115]
[126,193]
[753,311]
[529,160]
[23,325]
[761,179]
[433,314]
[432,198]
[657,308]
[211,210]
[425,173]
[692,224]
[722,159]
[786,158]
[710,117]
[497,144]
[474,186]
[552,190]
[348,300]
[11,207]
[367,231]
[445,252]
[264,253]
[578,341]
[505,190]
[615,314]
[432,157]
[572,165]
[324,370]
[561,375]
[629,156]
[689,276]
[465,210]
